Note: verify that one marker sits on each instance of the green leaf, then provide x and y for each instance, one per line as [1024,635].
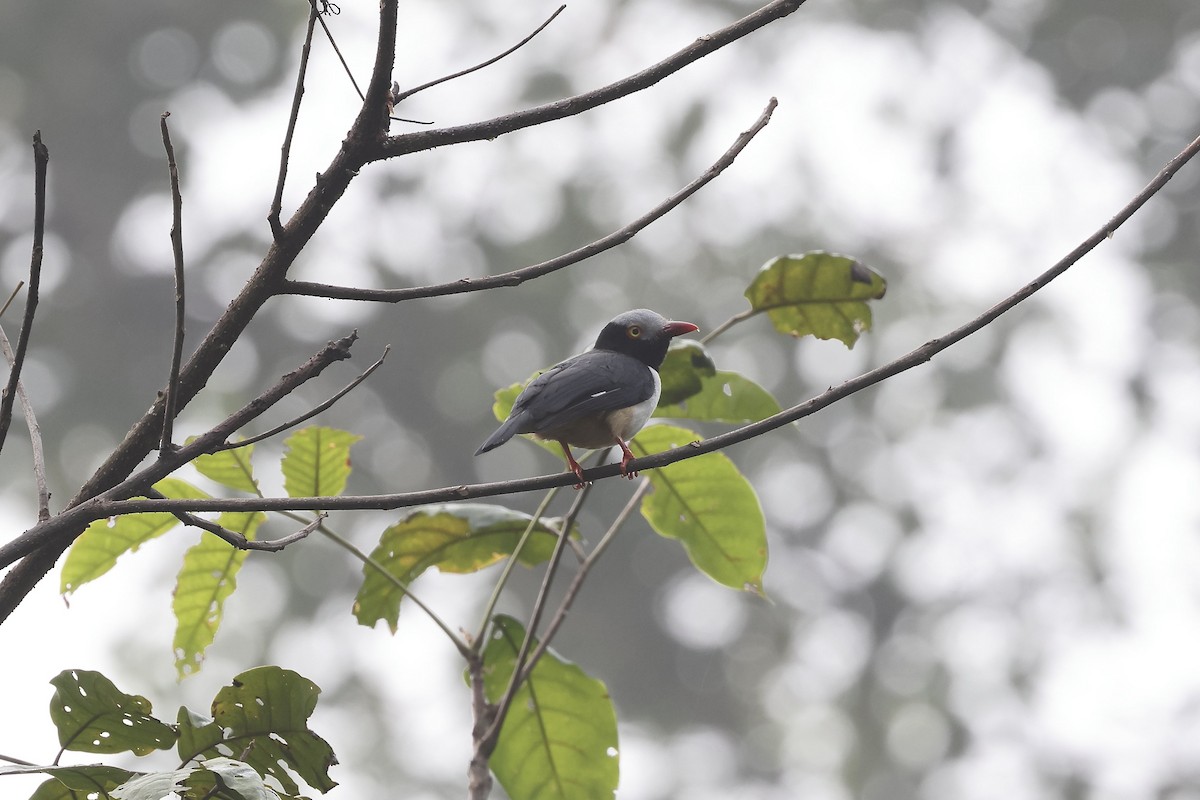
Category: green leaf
[317,462]
[458,538]
[683,371]
[559,739]
[724,397]
[231,468]
[227,777]
[97,549]
[206,579]
[265,713]
[217,778]
[198,734]
[84,782]
[93,716]
[817,294]
[707,505]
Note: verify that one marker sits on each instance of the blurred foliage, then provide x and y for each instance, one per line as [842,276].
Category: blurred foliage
[958,594]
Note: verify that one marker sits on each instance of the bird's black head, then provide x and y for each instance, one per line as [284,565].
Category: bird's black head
[643,334]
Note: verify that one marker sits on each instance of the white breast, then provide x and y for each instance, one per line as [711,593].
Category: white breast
[627,422]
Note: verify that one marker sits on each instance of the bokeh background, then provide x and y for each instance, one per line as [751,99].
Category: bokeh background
[983,574]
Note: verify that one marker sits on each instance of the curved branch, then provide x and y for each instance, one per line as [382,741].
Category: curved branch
[172,388]
[416,141]
[519,276]
[41,163]
[103,507]
[291,423]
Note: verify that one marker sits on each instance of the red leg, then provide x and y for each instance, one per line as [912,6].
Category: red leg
[626,457]
[574,465]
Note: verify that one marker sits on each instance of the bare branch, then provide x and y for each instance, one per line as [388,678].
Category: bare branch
[35,438]
[286,147]
[41,162]
[309,414]
[360,146]
[523,666]
[337,50]
[235,539]
[417,141]
[102,507]
[172,389]
[71,522]
[11,297]
[572,592]
[397,97]
[519,276]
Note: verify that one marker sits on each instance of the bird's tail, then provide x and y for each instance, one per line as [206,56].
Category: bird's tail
[502,435]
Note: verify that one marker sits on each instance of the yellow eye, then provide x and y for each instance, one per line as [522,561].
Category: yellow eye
[633,331]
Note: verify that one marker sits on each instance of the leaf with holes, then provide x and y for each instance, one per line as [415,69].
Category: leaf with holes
[559,740]
[97,549]
[93,716]
[817,294]
[264,714]
[458,538]
[206,580]
[317,462]
[709,507]
[81,782]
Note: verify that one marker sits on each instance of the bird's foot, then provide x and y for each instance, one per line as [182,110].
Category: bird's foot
[626,457]
[573,465]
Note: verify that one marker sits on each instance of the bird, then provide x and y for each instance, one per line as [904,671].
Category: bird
[600,397]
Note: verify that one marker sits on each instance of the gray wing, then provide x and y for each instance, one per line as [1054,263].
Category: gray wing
[591,383]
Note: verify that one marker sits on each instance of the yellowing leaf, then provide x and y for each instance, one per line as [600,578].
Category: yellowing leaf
[206,580]
[317,462]
[458,538]
[97,549]
[817,294]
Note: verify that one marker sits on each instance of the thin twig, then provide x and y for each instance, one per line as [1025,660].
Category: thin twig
[286,147]
[11,297]
[519,276]
[577,582]
[509,563]
[172,390]
[235,539]
[35,437]
[397,97]
[486,130]
[338,51]
[308,414]
[98,508]
[386,574]
[522,666]
[41,162]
